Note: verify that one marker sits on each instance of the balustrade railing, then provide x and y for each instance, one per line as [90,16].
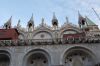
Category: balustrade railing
[19,42]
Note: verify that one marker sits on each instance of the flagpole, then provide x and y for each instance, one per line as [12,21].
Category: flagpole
[96,13]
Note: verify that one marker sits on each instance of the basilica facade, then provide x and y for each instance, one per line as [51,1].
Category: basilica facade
[43,45]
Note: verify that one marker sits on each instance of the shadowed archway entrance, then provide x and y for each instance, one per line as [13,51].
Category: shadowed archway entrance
[78,56]
[4,58]
[37,58]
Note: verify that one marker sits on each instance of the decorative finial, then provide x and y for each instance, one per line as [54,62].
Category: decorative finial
[42,20]
[10,20]
[31,22]
[79,14]
[18,25]
[7,25]
[19,21]
[31,17]
[10,17]
[54,16]
[67,20]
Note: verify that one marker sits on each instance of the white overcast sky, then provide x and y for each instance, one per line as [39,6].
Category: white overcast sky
[23,9]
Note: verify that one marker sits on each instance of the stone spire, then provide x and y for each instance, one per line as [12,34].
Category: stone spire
[54,22]
[81,21]
[67,20]
[10,21]
[31,21]
[18,24]
[31,18]
[31,24]
[54,16]
[7,25]
[42,21]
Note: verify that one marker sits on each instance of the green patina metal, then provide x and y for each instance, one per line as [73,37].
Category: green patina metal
[89,22]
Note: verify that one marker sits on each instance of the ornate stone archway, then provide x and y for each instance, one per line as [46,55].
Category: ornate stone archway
[37,57]
[79,56]
[68,31]
[4,58]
